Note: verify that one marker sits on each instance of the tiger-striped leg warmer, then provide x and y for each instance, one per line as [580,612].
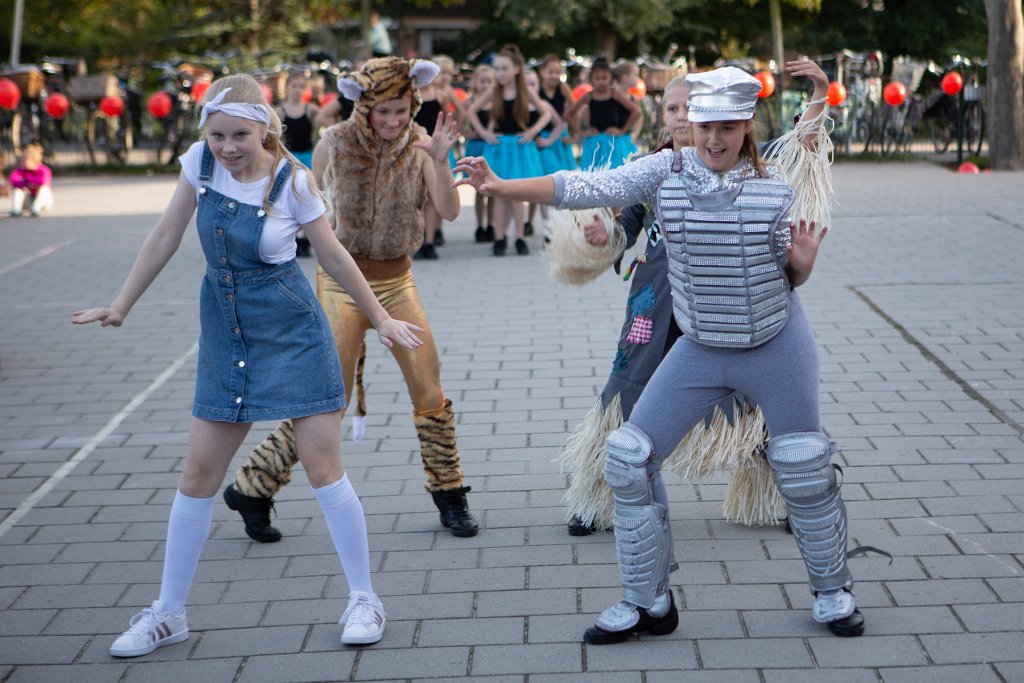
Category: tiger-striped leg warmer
[269,467]
[438,449]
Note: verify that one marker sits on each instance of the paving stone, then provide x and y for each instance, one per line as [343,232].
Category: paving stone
[966,648]
[296,668]
[761,653]
[936,674]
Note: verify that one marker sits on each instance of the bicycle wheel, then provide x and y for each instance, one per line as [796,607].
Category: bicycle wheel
[974,128]
[169,146]
[890,133]
[120,139]
[860,136]
[941,131]
[95,134]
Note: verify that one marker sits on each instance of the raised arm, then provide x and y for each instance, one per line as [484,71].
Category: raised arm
[630,184]
[810,69]
[436,172]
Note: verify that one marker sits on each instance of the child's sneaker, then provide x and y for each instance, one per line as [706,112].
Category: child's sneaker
[150,629]
[363,621]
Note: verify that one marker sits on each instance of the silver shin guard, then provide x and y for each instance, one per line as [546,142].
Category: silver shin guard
[643,542]
[817,516]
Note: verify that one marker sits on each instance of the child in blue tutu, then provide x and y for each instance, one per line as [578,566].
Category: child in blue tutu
[479,85]
[611,114]
[517,116]
[555,147]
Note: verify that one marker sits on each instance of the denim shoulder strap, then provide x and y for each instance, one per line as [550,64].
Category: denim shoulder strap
[206,166]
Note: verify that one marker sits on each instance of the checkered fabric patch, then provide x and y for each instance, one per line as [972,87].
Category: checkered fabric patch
[640,332]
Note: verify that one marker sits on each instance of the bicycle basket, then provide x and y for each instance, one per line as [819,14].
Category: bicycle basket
[29,81]
[93,88]
[973,93]
[908,72]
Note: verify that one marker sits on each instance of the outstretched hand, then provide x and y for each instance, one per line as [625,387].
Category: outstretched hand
[391,331]
[476,173]
[803,249]
[105,316]
[446,132]
[810,69]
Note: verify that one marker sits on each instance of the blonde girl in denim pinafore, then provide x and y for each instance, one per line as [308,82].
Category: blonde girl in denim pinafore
[265,350]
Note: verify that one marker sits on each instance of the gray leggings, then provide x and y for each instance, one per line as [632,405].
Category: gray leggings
[781,376]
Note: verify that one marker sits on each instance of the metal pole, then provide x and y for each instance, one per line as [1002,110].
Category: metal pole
[19,14]
[960,127]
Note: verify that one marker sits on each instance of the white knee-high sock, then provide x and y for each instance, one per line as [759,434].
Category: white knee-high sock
[347,524]
[187,529]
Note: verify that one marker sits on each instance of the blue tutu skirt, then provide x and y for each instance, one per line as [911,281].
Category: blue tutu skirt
[305,158]
[475,147]
[606,151]
[510,160]
[557,157]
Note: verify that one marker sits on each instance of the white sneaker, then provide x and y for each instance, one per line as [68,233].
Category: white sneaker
[363,621]
[151,628]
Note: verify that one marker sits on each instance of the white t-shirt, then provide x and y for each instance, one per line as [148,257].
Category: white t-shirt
[292,208]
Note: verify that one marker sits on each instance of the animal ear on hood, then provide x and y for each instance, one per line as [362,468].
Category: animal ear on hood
[350,87]
[423,72]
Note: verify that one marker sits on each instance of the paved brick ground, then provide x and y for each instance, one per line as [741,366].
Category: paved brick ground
[917,309]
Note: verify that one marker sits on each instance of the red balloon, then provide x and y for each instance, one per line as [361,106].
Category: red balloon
[199,89]
[952,82]
[112,105]
[461,94]
[267,92]
[894,93]
[580,90]
[159,104]
[968,167]
[57,105]
[767,83]
[639,89]
[10,95]
[307,95]
[328,98]
[836,94]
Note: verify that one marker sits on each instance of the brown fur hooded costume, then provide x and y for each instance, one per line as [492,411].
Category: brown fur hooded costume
[375,191]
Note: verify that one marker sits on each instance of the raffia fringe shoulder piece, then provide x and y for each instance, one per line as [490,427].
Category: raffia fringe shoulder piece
[808,168]
[571,260]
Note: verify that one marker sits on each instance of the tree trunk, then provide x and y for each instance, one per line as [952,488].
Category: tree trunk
[778,49]
[607,41]
[254,36]
[1005,84]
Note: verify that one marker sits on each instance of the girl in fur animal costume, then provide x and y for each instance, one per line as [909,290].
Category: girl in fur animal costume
[377,178]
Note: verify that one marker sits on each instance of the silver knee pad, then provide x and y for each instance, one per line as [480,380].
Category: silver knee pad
[643,541]
[817,516]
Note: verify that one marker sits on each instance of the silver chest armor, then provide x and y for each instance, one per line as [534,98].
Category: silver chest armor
[728,287]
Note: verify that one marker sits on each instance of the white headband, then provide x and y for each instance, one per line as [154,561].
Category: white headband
[253,112]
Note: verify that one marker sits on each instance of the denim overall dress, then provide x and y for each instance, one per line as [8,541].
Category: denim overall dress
[265,348]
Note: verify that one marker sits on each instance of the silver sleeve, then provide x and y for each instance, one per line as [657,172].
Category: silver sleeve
[632,183]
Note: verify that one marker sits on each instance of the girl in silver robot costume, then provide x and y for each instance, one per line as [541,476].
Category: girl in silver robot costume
[777,370]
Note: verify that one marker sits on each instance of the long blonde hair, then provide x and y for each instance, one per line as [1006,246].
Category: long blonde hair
[246,89]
